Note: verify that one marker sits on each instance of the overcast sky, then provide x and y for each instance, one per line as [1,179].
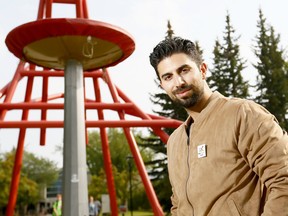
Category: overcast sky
[146,21]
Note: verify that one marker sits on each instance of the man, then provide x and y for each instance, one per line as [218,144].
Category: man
[93,208]
[229,158]
[57,206]
[98,205]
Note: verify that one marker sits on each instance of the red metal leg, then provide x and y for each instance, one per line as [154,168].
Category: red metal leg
[19,155]
[106,155]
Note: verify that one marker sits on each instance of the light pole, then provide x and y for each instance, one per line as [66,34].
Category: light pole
[129,160]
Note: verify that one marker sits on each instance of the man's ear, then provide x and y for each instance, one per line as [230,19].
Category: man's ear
[203,69]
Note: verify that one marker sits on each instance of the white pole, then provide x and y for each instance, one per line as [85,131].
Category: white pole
[75,191]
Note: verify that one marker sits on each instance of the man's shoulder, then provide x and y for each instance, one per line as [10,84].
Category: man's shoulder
[236,102]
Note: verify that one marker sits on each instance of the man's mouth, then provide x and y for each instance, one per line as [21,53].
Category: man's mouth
[183,92]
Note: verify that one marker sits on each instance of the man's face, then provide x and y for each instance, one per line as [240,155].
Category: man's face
[182,79]
[59,197]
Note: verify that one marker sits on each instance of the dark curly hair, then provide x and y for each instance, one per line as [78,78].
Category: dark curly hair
[171,46]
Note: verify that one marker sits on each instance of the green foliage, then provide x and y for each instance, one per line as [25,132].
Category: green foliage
[158,171]
[272,79]
[6,167]
[118,146]
[97,184]
[121,180]
[94,153]
[140,198]
[226,75]
[28,192]
[40,170]
[27,189]
[119,150]
[35,173]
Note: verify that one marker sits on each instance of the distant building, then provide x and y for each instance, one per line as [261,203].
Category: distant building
[49,194]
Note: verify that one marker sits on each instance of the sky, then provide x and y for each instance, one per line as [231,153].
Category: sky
[146,21]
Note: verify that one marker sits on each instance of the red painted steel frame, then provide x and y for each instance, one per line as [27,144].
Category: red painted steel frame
[127,107]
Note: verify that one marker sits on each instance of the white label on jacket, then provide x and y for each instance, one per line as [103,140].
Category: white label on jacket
[201,150]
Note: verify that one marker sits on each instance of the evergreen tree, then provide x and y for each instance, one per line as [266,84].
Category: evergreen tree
[170,31]
[272,78]
[226,75]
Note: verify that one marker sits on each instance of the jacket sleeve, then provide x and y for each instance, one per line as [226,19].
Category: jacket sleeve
[174,199]
[264,145]
[174,203]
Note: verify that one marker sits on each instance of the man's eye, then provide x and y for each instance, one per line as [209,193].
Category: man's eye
[185,70]
[167,77]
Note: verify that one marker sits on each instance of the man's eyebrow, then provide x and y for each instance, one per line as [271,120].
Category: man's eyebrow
[179,69]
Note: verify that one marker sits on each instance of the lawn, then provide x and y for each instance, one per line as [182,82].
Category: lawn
[137,213]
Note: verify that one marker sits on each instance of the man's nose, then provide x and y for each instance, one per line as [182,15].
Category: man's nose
[179,81]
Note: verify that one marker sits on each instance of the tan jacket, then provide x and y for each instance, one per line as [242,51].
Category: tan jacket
[234,146]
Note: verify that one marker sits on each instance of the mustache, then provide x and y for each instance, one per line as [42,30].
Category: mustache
[182,88]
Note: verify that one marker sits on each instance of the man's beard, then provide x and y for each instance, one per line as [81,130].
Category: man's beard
[191,101]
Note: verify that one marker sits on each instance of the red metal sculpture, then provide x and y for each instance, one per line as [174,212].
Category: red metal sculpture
[115,45]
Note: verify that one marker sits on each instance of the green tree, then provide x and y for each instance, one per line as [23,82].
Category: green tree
[119,150]
[6,167]
[35,173]
[98,184]
[226,75]
[27,190]
[170,32]
[272,78]
[118,146]
[39,169]
[94,153]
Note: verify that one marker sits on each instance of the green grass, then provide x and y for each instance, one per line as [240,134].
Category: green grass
[137,213]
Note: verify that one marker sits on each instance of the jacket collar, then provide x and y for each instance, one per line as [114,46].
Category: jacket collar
[214,96]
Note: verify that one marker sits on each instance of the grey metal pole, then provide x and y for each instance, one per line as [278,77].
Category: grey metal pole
[75,191]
